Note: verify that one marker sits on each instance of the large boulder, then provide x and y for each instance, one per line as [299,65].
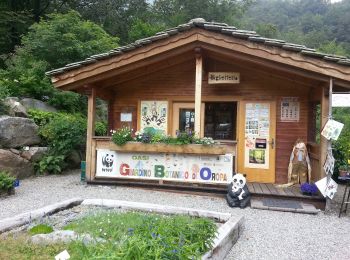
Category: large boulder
[31,103]
[15,164]
[34,154]
[18,132]
[15,107]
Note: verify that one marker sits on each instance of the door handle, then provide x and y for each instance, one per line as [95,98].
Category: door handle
[272,143]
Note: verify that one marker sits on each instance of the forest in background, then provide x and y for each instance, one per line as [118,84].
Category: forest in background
[40,35]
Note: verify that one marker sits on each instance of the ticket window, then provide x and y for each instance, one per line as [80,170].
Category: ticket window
[220,120]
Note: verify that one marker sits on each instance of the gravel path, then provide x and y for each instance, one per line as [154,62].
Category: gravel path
[267,234]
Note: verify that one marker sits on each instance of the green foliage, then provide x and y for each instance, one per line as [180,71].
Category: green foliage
[51,164]
[41,118]
[41,229]
[144,236]
[52,43]
[333,48]
[341,147]
[6,181]
[64,133]
[68,101]
[100,128]
[140,29]
[122,136]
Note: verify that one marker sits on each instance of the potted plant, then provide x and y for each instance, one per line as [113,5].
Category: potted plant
[344,170]
[6,183]
[308,189]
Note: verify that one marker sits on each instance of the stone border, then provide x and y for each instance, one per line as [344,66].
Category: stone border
[228,233]
[24,218]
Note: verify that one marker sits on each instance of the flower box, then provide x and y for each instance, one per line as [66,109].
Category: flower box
[165,148]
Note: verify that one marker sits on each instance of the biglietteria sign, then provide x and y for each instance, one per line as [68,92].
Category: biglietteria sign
[223,77]
[176,167]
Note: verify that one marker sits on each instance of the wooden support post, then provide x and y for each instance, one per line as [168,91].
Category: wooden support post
[323,141]
[89,134]
[198,92]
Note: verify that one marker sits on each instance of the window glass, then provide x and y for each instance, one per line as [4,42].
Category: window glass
[220,120]
[186,119]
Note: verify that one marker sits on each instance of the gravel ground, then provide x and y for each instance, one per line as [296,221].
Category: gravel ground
[267,234]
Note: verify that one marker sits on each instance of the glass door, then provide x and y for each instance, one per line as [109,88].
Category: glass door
[184,117]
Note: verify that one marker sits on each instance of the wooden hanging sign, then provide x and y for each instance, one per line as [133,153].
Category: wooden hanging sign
[223,77]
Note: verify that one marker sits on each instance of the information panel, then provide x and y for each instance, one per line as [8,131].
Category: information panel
[167,166]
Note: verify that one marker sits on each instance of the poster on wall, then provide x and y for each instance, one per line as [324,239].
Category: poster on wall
[154,116]
[257,131]
[290,109]
[176,167]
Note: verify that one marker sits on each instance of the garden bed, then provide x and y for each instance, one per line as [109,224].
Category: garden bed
[140,230]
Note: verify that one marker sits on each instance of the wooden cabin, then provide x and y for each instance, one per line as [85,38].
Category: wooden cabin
[254,96]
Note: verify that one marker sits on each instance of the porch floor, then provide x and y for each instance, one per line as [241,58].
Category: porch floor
[288,193]
[258,190]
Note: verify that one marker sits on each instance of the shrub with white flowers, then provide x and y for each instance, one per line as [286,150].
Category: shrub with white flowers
[122,135]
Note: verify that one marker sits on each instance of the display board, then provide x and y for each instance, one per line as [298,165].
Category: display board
[257,131]
[290,109]
[176,167]
[154,116]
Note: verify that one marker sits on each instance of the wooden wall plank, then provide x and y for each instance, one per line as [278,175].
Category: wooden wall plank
[178,84]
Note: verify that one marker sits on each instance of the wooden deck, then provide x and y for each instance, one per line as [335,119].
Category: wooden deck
[290,193]
[258,190]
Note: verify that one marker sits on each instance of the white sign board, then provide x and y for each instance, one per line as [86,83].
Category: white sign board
[328,189]
[341,100]
[125,117]
[223,77]
[332,129]
[176,167]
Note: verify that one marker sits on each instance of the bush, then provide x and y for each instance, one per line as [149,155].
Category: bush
[6,181]
[41,118]
[100,128]
[51,164]
[122,136]
[64,133]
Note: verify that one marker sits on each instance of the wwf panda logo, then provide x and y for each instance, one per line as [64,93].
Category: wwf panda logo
[107,160]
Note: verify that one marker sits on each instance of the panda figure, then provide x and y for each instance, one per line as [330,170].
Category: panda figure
[238,194]
[107,160]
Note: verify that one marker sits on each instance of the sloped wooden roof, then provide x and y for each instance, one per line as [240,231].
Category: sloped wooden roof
[330,65]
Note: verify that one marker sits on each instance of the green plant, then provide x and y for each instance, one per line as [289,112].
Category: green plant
[41,118]
[144,236]
[64,133]
[51,164]
[100,128]
[41,229]
[122,136]
[6,181]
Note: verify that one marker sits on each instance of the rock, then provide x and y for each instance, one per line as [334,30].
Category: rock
[15,151]
[34,154]
[31,103]
[15,107]
[64,236]
[74,160]
[18,132]
[15,164]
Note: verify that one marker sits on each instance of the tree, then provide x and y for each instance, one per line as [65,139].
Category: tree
[52,43]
